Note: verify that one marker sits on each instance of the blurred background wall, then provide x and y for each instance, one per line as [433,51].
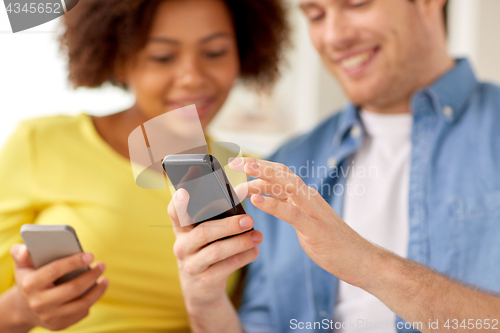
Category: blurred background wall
[33,80]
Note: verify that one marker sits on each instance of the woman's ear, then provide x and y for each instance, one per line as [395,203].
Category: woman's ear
[121,74]
[119,77]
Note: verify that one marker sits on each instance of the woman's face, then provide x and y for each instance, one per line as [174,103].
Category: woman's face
[190,57]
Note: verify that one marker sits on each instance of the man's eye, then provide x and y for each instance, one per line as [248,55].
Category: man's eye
[358,4]
[316,18]
[216,54]
[315,15]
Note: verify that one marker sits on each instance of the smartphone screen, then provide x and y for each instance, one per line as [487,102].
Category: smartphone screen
[211,196]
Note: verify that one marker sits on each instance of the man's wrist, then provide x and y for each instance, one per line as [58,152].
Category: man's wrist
[392,273]
[383,270]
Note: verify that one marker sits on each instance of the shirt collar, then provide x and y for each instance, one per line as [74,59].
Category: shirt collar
[449,95]
[451,92]
[347,138]
[347,120]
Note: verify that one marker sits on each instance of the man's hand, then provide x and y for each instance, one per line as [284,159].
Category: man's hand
[413,291]
[323,235]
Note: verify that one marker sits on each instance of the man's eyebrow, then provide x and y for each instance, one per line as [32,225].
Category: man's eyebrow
[305,5]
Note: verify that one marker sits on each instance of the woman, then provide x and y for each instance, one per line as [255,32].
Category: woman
[76,170]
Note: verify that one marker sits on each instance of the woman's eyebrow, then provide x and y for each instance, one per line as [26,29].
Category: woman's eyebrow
[163,40]
[216,35]
[203,40]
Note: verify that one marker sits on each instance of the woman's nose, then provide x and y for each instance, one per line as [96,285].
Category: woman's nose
[190,74]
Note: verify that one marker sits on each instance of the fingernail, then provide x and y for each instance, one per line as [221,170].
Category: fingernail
[258,198]
[103,280]
[102,267]
[17,250]
[254,166]
[87,258]
[235,160]
[246,222]
[180,196]
[255,237]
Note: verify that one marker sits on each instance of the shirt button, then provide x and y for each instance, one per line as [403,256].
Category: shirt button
[322,313]
[355,132]
[448,111]
[332,162]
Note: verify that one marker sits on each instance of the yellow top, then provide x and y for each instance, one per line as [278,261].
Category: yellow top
[58,170]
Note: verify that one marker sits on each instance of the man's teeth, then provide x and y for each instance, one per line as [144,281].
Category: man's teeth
[355,61]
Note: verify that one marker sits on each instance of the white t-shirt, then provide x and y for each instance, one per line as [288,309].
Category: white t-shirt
[376,206]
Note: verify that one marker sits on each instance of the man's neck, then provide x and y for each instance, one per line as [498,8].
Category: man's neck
[402,105]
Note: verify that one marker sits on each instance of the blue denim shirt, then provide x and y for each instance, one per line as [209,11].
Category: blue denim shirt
[454,202]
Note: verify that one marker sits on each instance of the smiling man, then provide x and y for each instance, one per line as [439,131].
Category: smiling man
[412,246]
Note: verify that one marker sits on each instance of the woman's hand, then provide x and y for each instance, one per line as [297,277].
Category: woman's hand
[205,266]
[323,235]
[40,303]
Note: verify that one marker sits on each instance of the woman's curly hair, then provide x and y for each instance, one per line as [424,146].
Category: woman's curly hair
[100,35]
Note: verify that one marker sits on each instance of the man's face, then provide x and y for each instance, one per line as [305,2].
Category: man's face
[377,49]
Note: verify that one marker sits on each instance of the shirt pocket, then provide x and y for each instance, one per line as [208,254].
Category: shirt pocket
[477,206]
[477,219]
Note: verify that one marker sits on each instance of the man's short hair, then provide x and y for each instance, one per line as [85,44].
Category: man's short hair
[445,15]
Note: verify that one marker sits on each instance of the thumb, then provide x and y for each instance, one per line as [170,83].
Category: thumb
[181,200]
[21,256]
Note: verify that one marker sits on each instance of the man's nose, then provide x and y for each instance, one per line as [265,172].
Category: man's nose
[339,33]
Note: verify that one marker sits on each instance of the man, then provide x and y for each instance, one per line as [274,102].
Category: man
[429,131]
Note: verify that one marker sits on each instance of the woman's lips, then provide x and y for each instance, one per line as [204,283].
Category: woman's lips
[203,106]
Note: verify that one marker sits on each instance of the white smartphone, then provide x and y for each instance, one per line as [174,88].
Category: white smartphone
[46,243]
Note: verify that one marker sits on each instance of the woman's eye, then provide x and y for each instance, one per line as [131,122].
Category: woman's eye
[162,59]
[216,54]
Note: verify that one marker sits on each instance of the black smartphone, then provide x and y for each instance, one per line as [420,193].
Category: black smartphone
[211,196]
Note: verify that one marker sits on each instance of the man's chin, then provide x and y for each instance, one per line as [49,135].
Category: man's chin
[362,93]
[360,99]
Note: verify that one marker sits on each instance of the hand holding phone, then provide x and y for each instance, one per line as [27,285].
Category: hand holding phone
[47,243]
[54,307]
[208,253]
[214,236]
[211,196]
